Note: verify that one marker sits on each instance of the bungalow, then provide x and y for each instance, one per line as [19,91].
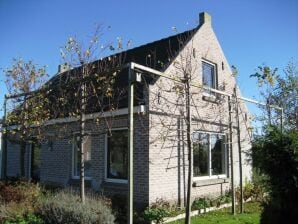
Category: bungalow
[160,151]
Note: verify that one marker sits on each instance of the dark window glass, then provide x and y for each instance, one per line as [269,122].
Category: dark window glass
[201,156]
[209,154]
[217,154]
[208,75]
[117,154]
[77,157]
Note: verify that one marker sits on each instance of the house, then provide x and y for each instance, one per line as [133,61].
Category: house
[160,152]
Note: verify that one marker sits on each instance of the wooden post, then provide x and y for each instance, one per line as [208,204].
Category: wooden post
[231,155]
[189,147]
[82,138]
[4,144]
[239,151]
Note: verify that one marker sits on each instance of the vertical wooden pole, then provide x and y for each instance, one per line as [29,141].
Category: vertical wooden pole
[239,151]
[231,155]
[130,145]
[82,138]
[189,147]
[4,144]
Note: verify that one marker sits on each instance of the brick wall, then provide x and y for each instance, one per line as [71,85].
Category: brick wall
[168,156]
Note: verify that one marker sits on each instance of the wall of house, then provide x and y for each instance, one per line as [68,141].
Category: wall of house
[168,156]
[56,168]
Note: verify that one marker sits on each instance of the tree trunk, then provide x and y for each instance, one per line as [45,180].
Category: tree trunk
[189,147]
[231,155]
[82,139]
[22,158]
[239,152]
[3,173]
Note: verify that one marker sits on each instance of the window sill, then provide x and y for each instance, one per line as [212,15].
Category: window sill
[76,182]
[116,181]
[206,182]
[114,187]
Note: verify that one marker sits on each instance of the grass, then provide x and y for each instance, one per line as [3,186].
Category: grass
[250,216]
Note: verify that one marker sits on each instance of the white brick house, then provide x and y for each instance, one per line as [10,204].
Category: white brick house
[160,154]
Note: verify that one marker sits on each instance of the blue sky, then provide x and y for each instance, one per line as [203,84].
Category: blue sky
[251,32]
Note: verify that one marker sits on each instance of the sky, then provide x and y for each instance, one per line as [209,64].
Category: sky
[251,32]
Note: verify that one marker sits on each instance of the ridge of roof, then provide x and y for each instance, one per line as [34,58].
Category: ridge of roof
[173,43]
[157,54]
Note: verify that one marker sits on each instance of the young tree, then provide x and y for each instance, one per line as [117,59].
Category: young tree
[93,83]
[281,90]
[26,108]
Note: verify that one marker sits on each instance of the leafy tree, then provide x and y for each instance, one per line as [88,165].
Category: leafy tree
[26,110]
[286,95]
[280,90]
[92,83]
[276,155]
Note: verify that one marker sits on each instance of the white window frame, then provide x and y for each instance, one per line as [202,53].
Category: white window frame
[206,92]
[112,180]
[221,176]
[72,158]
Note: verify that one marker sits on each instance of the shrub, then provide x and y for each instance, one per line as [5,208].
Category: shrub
[26,219]
[159,210]
[200,203]
[17,200]
[276,156]
[66,207]
[19,191]
[156,214]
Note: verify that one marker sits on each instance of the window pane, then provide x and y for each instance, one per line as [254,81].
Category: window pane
[87,157]
[208,75]
[201,156]
[35,162]
[117,155]
[217,154]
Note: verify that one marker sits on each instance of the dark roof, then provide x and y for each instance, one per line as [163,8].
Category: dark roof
[157,55]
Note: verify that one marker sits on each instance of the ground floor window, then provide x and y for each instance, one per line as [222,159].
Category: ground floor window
[116,154]
[209,155]
[35,162]
[77,157]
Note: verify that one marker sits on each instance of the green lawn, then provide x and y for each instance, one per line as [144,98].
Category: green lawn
[251,216]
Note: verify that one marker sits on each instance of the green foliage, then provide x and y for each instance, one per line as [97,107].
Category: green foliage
[286,94]
[27,219]
[66,207]
[276,155]
[159,210]
[256,191]
[200,203]
[265,75]
[19,191]
[280,90]
[203,203]
[156,214]
[17,199]
[224,216]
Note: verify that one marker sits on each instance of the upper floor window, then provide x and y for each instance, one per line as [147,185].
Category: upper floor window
[209,76]
[77,157]
[116,155]
[209,155]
